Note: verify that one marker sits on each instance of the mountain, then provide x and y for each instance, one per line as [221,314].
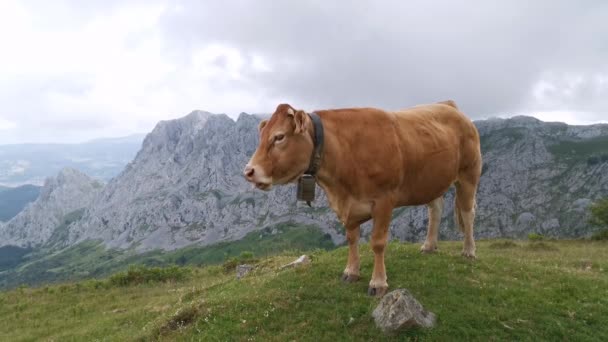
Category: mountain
[185,187]
[13,200]
[61,201]
[33,163]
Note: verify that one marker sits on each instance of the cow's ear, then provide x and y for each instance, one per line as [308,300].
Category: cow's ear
[299,118]
[262,125]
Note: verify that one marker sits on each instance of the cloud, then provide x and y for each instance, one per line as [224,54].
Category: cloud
[71,71]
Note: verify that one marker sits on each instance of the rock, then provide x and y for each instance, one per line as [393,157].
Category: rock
[243,270]
[581,204]
[302,260]
[525,223]
[550,225]
[62,200]
[399,310]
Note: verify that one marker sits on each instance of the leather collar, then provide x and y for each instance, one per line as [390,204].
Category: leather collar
[318,140]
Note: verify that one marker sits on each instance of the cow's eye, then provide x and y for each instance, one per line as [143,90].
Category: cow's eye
[279,137]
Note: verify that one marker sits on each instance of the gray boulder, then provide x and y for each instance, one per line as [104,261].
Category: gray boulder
[243,270]
[399,310]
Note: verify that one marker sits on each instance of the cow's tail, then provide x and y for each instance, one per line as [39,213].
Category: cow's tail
[458,215]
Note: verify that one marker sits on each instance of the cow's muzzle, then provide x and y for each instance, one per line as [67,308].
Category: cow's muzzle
[254,177]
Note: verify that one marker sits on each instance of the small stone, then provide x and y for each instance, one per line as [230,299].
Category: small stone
[302,260]
[243,270]
[399,310]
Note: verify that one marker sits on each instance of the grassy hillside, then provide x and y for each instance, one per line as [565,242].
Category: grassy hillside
[90,259]
[514,291]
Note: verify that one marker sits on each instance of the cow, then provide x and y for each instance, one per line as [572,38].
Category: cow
[372,162]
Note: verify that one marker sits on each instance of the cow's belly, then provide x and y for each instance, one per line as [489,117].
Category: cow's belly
[349,209]
[424,195]
[430,181]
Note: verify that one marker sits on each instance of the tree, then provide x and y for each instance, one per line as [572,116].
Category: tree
[599,213]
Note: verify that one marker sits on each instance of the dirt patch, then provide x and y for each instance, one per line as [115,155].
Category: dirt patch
[541,247]
[503,245]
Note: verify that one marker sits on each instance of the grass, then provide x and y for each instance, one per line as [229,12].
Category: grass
[136,275]
[511,292]
[90,259]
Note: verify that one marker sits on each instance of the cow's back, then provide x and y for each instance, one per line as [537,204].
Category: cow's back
[437,142]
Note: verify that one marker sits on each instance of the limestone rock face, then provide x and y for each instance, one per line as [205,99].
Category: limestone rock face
[67,193]
[185,186]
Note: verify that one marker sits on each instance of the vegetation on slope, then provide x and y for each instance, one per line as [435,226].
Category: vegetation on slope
[599,213]
[90,259]
[543,290]
[592,150]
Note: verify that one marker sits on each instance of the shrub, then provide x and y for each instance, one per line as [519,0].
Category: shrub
[601,235]
[246,256]
[182,318]
[230,264]
[599,213]
[535,237]
[141,274]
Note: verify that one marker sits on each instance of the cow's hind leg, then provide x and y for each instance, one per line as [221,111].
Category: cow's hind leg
[435,209]
[381,213]
[351,272]
[465,207]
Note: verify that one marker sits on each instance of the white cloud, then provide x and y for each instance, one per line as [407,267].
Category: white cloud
[571,117]
[5,124]
[121,77]
[73,70]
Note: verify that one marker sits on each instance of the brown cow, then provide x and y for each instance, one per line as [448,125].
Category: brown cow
[374,161]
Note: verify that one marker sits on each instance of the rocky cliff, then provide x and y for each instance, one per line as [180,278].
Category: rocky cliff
[61,198]
[185,187]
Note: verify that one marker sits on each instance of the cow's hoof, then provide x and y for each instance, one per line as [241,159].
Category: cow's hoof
[428,249]
[468,254]
[349,278]
[378,292]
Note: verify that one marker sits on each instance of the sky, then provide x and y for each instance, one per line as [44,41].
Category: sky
[74,70]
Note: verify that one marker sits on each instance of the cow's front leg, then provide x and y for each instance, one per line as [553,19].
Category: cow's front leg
[381,214]
[351,272]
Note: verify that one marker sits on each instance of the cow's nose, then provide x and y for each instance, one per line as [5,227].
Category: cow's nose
[249,171]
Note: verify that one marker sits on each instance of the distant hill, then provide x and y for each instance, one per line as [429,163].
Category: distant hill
[13,200]
[33,163]
[61,200]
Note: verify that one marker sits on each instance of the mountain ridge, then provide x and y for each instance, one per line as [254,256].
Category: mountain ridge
[185,187]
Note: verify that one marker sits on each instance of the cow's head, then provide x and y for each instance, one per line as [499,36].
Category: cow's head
[284,151]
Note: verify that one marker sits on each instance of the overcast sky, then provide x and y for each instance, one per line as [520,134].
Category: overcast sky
[77,70]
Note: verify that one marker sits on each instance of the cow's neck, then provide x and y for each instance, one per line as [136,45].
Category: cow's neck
[328,176]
